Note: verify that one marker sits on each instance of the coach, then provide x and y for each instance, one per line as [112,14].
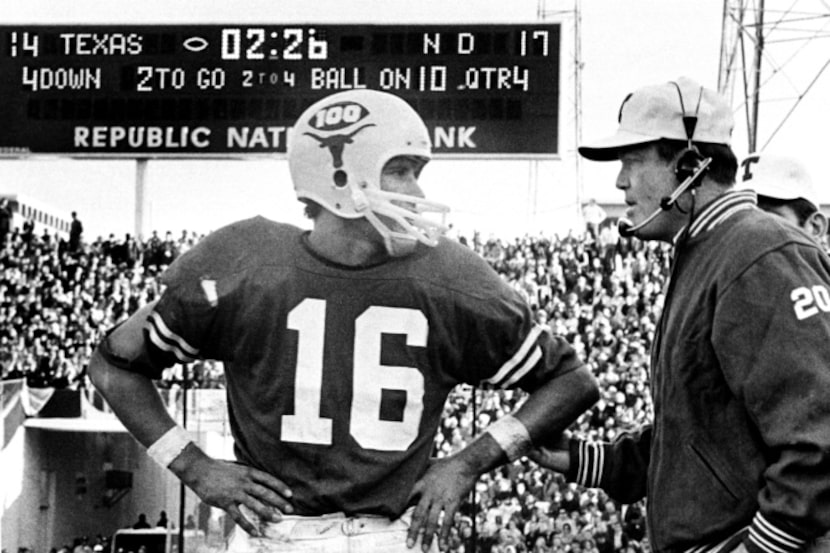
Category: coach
[738,455]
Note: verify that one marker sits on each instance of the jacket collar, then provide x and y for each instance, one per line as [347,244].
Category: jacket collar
[722,209]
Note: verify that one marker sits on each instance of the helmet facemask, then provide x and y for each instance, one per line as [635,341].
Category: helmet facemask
[399,220]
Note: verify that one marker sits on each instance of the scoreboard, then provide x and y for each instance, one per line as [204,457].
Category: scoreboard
[229,90]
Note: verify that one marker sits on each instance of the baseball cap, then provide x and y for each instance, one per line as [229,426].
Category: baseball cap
[779,177]
[657,111]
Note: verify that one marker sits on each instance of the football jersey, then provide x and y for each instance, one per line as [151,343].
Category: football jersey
[337,376]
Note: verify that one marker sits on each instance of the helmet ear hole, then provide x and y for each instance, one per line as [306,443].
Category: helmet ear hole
[340,178]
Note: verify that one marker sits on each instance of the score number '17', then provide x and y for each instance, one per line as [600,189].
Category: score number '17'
[258,44]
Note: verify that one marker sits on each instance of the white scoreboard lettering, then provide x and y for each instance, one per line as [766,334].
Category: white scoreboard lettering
[155,90]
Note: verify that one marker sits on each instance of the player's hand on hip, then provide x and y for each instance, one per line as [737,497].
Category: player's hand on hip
[440,492]
[236,488]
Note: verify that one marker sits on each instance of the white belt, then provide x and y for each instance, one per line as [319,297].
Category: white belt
[332,525]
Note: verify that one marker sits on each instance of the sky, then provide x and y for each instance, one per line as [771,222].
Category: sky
[625,44]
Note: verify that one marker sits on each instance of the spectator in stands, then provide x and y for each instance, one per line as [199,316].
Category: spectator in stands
[634,525]
[169,249]
[153,253]
[28,231]
[190,523]
[141,523]
[162,521]
[593,215]
[5,220]
[81,545]
[126,252]
[76,230]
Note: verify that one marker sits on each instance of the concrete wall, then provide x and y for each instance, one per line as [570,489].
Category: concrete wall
[63,489]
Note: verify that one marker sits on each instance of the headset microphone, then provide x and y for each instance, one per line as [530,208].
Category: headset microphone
[627,229]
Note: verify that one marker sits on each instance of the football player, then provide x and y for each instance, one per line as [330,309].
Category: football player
[340,346]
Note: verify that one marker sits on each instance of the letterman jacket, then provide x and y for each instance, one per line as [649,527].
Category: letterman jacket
[739,449]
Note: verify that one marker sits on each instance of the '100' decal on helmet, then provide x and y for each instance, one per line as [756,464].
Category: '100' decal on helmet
[338,116]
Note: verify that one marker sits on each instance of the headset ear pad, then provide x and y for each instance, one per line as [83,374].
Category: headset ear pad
[688,161]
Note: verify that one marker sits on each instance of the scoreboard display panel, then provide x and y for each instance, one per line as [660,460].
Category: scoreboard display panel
[230,90]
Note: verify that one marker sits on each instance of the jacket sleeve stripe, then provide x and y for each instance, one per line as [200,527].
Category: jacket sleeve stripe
[581,462]
[599,452]
[591,457]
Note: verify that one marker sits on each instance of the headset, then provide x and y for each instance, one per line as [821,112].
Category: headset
[688,167]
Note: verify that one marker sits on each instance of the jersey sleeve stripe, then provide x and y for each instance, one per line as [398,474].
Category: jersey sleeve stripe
[771,538]
[171,336]
[164,339]
[519,360]
[523,369]
[159,342]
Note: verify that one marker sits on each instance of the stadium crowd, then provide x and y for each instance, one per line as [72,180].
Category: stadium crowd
[601,291]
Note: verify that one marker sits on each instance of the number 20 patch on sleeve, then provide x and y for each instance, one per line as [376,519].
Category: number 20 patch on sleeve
[810,301]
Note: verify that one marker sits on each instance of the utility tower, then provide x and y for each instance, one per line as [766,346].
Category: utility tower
[772,54]
[568,13]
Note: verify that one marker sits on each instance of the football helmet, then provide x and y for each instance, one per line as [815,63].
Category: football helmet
[337,150]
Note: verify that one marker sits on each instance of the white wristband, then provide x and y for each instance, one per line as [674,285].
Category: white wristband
[169,446]
[512,436]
